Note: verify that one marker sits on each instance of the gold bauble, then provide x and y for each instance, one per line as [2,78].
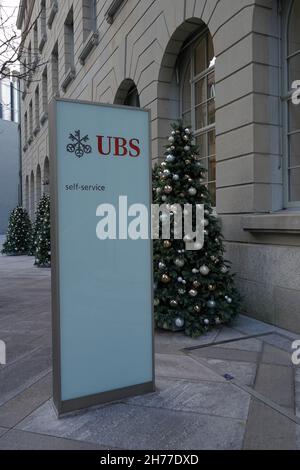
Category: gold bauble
[165,279]
[167,244]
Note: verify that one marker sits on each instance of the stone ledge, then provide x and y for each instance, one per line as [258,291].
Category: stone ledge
[283,222]
[91,42]
[112,10]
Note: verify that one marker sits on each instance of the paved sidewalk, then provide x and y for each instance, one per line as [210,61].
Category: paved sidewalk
[235,388]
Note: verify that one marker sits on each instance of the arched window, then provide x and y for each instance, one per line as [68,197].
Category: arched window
[197,78]
[127,94]
[46,181]
[27,194]
[32,196]
[291,68]
[38,184]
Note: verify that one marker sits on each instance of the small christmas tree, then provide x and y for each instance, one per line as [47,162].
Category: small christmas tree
[42,244]
[194,290]
[36,226]
[18,233]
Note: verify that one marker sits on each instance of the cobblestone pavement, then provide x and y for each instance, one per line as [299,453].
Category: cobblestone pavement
[235,388]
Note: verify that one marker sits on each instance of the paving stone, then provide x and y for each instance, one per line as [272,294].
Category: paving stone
[217,399]
[250,326]
[228,334]
[243,372]
[281,342]
[19,440]
[276,383]
[3,430]
[135,427]
[182,367]
[22,374]
[250,344]
[226,354]
[166,342]
[16,409]
[273,355]
[268,430]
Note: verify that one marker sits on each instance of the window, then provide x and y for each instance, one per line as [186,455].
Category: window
[45,91]
[132,97]
[291,111]
[26,127]
[29,56]
[30,120]
[35,42]
[197,70]
[69,41]
[42,25]
[37,107]
[43,17]
[89,16]
[54,70]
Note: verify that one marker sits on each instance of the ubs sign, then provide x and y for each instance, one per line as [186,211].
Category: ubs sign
[101,289]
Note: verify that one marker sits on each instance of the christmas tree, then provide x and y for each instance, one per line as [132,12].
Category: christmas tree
[18,233]
[194,290]
[36,226]
[42,244]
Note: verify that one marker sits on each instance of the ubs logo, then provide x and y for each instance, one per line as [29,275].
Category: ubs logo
[79,144]
[114,146]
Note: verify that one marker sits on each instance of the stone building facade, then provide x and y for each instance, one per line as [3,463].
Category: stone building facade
[226,67]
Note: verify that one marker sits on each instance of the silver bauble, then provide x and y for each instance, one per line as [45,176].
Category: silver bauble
[170,158]
[197,308]
[206,321]
[193,293]
[204,270]
[224,269]
[173,132]
[229,300]
[164,198]
[181,291]
[156,302]
[179,279]
[211,304]
[173,303]
[206,222]
[167,173]
[187,130]
[161,265]
[186,138]
[168,189]
[171,140]
[176,177]
[192,191]
[187,148]
[179,322]
[195,271]
[163,164]
[179,262]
